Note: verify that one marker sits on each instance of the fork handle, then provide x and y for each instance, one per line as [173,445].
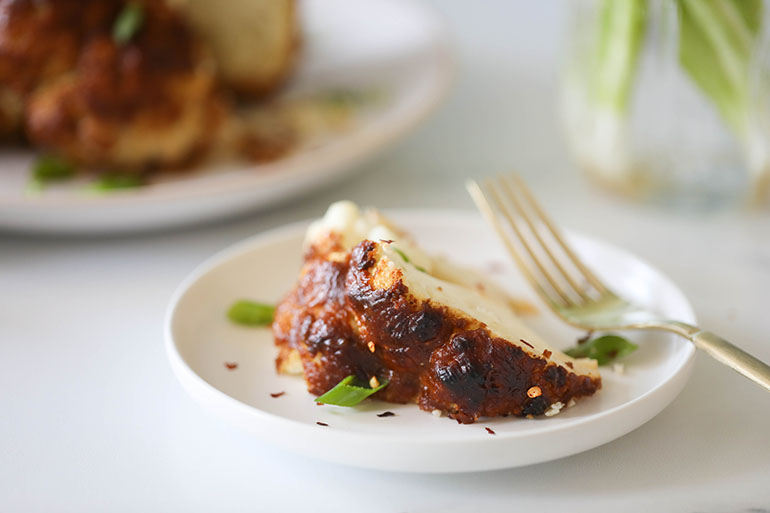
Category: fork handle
[735,358]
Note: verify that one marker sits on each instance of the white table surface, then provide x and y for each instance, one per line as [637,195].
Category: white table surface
[91,418]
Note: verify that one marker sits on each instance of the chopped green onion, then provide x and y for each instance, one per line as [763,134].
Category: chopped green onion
[128,23]
[349,392]
[111,182]
[605,349]
[48,168]
[402,255]
[408,261]
[349,97]
[250,313]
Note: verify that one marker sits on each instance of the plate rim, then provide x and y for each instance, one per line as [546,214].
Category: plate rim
[189,378]
[296,176]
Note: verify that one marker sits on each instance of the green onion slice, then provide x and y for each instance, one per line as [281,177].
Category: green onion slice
[49,168]
[605,349]
[349,97]
[128,23]
[402,255]
[349,392]
[250,313]
[407,260]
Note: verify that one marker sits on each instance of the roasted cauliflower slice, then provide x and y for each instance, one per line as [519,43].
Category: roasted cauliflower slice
[370,303]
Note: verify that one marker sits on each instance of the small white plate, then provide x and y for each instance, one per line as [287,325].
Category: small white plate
[395,47]
[200,340]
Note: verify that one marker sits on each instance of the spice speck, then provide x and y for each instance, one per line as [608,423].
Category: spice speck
[276,394]
[386,414]
[231,365]
[322,423]
[489,431]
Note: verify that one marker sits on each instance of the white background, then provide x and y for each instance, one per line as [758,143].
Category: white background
[91,418]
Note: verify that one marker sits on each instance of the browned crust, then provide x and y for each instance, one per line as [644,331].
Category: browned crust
[40,39]
[431,355]
[116,96]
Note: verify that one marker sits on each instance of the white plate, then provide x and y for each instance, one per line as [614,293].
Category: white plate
[398,47]
[200,340]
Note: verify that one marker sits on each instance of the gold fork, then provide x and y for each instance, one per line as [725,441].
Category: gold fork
[570,288]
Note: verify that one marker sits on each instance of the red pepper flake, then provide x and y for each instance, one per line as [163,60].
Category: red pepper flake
[547,353]
[322,424]
[276,394]
[231,365]
[319,404]
[440,289]
[533,392]
[489,431]
[585,338]
[386,414]
[386,241]
[569,364]
[527,343]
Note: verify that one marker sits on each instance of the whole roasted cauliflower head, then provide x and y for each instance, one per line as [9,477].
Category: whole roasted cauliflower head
[148,101]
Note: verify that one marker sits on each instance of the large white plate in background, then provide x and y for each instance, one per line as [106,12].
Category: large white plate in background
[200,340]
[398,46]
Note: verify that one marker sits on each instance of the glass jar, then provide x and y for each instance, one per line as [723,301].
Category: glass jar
[669,100]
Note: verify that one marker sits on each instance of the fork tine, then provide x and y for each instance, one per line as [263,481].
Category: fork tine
[485,206]
[587,273]
[508,186]
[507,206]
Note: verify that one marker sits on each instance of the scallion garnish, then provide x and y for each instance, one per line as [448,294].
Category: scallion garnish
[128,23]
[605,349]
[349,97]
[250,313]
[349,392]
[407,260]
[402,255]
[48,168]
